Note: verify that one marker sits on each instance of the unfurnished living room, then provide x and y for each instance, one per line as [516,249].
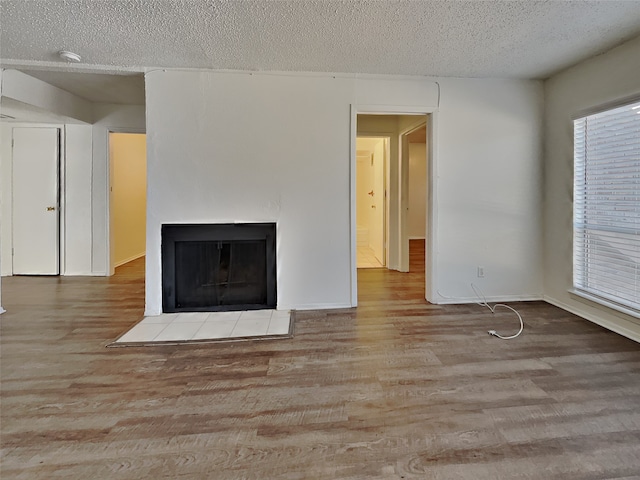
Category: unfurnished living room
[319,239]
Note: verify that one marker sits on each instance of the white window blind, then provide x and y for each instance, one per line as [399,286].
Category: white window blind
[606,262]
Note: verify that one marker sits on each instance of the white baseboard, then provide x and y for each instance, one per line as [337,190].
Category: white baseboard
[608,324]
[2,310]
[77,274]
[416,238]
[315,306]
[85,274]
[130,259]
[495,299]
[82,274]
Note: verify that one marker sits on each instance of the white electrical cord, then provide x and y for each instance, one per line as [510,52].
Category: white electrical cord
[484,303]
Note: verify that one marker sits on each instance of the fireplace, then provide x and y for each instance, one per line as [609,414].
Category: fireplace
[218,267]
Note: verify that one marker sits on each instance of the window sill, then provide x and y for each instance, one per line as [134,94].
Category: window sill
[606,303]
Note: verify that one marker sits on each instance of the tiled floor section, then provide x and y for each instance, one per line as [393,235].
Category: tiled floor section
[202,326]
[367,259]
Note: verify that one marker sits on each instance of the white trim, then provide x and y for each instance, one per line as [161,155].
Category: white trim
[431,239]
[614,327]
[84,274]
[403,178]
[97,274]
[431,114]
[353,228]
[620,102]
[603,241]
[412,237]
[130,259]
[605,303]
[373,109]
[315,306]
[422,122]
[494,299]
[19,64]
[403,201]
[62,200]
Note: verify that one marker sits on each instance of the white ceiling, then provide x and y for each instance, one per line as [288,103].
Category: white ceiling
[512,39]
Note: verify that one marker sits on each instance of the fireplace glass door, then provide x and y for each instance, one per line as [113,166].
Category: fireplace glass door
[213,267]
[221,273]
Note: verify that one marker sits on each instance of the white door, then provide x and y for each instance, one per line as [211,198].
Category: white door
[35,201]
[376,222]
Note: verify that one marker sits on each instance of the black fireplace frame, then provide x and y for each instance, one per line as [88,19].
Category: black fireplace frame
[172,233]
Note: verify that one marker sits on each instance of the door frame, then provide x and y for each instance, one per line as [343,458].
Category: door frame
[111,269]
[387,149]
[431,114]
[404,191]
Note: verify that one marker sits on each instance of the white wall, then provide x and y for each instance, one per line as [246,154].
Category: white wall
[5,199]
[417,215]
[2,310]
[247,148]
[75,197]
[488,188]
[261,147]
[84,188]
[598,81]
[38,96]
[77,200]
[128,154]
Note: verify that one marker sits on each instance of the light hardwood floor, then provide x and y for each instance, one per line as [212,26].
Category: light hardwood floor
[397,389]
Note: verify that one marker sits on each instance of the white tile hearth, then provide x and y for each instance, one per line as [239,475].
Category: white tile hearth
[204,326]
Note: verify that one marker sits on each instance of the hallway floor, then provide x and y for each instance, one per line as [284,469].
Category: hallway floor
[366,258]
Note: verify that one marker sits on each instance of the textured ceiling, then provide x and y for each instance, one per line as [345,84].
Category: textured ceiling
[517,39]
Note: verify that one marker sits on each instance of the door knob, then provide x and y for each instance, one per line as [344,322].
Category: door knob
[373,206]
[371,193]
[50,209]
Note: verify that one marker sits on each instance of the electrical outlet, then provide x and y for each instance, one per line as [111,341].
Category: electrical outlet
[480,272]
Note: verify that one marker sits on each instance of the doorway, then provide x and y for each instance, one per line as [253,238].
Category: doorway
[371,188]
[409,209]
[128,197]
[36,201]
[414,145]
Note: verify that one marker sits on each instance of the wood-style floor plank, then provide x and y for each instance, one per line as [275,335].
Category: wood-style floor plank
[395,389]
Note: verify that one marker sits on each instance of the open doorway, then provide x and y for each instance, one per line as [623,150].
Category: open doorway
[128,197]
[407,180]
[415,148]
[371,161]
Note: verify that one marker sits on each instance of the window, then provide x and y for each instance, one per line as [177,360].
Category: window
[606,215]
